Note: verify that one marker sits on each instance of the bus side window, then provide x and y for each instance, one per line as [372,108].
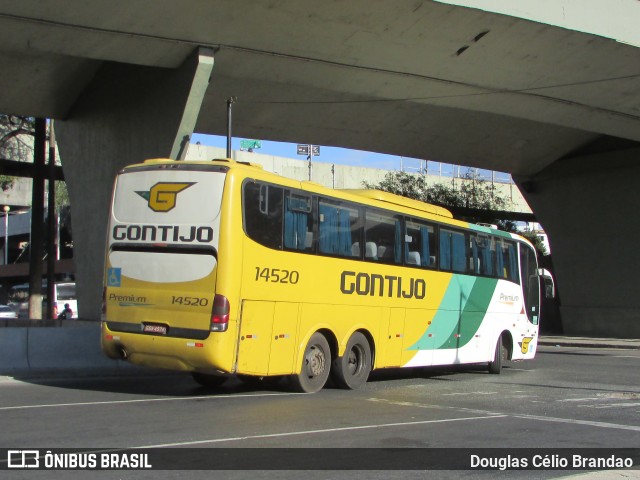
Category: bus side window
[482,255]
[298,223]
[383,237]
[453,251]
[420,244]
[338,229]
[507,261]
[262,208]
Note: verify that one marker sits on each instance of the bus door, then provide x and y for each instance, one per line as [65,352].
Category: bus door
[395,337]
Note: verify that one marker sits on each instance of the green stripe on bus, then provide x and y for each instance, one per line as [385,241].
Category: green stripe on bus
[460,314]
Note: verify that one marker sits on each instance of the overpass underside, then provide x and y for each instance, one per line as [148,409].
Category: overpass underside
[558,109]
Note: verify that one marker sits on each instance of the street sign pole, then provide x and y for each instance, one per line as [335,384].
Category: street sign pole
[309,150]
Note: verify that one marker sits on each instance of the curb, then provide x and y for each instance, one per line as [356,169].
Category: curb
[589,343]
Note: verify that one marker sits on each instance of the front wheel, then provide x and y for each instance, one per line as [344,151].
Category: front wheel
[352,369]
[499,358]
[316,364]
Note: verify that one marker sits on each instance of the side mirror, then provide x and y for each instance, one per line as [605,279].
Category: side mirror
[547,281]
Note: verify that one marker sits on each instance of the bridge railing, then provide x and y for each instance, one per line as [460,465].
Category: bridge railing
[440,169]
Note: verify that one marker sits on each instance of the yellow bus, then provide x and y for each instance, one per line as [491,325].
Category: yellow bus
[220,268]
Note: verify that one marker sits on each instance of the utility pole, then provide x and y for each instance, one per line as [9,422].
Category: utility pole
[230,102]
[51,225]
[6,234]
[37,221]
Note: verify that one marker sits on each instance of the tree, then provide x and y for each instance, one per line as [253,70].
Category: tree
[474,193]
[476,201]
[16,142]
[537,242]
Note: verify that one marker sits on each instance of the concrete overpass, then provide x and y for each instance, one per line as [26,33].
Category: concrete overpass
[557,108]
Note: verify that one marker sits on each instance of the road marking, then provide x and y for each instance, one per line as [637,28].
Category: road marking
[469,393]
[314,432]
[590,423]
[143,400]
[612,405]
[441,407]
[586,399]
[501,415]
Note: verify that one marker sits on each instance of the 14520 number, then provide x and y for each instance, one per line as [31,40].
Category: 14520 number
[277,275]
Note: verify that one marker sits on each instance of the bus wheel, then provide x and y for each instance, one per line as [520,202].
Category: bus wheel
[209,381]
[316,364]
[353,368]
[499,357]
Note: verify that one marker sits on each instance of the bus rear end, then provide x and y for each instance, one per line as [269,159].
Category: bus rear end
[161,305]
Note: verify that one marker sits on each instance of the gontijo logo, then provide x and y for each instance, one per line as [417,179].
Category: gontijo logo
[162,196]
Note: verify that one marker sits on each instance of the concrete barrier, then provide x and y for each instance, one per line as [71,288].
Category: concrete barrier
[13,349]
[73,346]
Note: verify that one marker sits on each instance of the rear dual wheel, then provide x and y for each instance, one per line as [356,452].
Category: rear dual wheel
[316,364]
[352,369]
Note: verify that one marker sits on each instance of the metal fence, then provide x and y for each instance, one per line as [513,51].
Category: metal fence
[439,169]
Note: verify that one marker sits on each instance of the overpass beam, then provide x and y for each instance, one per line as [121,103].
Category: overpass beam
[586,205]
[126,115]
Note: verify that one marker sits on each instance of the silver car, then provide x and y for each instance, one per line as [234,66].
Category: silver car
[7,312]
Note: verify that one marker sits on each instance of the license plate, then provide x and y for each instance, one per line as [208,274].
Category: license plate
[157,329]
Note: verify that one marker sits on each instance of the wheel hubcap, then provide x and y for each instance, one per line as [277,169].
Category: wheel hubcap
[354,361]
[316,361]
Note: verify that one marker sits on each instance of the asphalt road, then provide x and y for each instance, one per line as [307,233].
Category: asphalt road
[565,398]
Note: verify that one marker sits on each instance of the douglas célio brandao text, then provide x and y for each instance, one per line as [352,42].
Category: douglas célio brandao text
[549,461]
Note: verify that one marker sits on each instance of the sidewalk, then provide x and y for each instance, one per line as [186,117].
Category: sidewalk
[588,342]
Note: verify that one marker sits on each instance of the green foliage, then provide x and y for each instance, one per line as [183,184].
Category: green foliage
[16,134]
[6,182]
[62,195]
[402,183]
[540,247]
[473,193]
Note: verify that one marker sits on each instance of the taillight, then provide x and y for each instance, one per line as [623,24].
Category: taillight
[220,314]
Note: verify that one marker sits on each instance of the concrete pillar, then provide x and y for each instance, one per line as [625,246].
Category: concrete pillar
[588,207]
[126,115]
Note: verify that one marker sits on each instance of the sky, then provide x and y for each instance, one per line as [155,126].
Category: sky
[342,156]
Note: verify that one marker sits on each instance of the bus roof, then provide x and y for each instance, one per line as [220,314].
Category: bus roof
[387,198]
[394,199]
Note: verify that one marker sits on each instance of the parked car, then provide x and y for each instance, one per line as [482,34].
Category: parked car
[7,312]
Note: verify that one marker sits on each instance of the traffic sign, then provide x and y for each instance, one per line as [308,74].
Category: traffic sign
[250,144]
[304,150]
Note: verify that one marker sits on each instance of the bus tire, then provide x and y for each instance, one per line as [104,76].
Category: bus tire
[499,357]
[316,364]
[208,381]
[351,371]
